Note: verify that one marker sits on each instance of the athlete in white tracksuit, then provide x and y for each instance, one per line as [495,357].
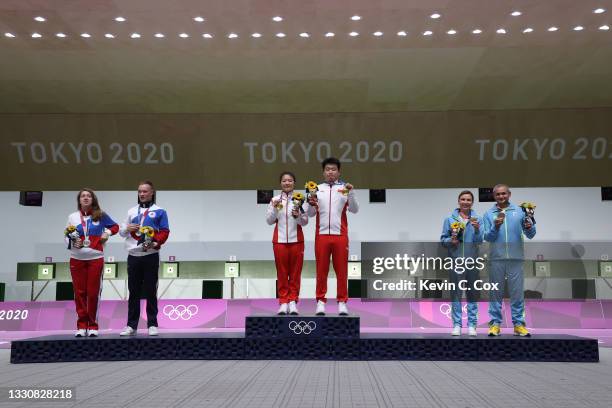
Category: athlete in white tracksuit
[288,243]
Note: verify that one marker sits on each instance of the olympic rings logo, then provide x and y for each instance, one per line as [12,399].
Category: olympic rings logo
[180,311]
[445,309]
[302,327]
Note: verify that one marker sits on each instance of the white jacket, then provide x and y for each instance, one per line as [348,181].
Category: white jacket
[288,229]
[156,218]
[331,211]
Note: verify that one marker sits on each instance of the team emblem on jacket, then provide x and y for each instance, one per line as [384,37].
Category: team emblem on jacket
[152,214]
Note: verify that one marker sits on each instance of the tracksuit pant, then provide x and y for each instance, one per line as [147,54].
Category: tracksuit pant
[471,294]
[336,246]
[142,278]
[289,259]
[87,284]
[512,270]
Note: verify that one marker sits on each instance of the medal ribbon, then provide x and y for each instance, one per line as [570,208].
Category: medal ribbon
[85,225]
[144,215]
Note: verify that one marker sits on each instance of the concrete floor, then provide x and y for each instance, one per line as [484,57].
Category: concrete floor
[318,383]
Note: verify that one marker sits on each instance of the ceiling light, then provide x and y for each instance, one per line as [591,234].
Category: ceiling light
[402,33]
[120,19]
[377,34]
[353,33]
[198,19]
[232,35]
[277,19]
[109,35]
[330,34]
[599,10]
[256,35]
[435,16]
[207,35]
[60,35]
[551,29]
[40,19]
[9,35]
[477,31]
[281,35]
[184,35]
[158,35]
[578,28]
[427,33]
[356,18]
[604,27]
[135,35]
[451,32]
[36,35]
[86,35]
[515,13]
[304,35]
[501,31]
[528,30]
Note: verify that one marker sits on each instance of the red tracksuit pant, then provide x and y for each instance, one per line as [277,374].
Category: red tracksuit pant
[87,283]
[336,246]
[289,259]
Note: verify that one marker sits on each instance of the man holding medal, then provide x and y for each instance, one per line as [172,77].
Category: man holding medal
[329,204]
[145,231]
[86,233]
[504,227]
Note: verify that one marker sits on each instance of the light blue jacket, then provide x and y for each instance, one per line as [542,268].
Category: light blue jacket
[507,241]
[468,247]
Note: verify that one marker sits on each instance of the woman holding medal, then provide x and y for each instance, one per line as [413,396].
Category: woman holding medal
[461,234]
[87,231]
[286,214]
[145,231]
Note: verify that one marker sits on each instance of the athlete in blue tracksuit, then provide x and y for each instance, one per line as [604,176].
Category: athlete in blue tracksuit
[465,245]
[504,227]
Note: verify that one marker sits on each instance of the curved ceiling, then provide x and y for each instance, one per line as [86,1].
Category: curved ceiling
[566,68]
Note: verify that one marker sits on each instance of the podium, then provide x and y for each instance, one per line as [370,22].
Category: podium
[305,337]
[302,326]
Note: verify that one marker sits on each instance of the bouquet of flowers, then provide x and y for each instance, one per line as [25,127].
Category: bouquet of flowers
[456,230]
[298,199]
[72,234]
[311,188]
[345,191]
[529,210]
[146,237]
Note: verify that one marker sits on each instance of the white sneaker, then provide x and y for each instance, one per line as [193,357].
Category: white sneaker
[128,331]
[282,310]
[472,331]
[320,308]
[80,333]
[456,331]
[92,333]
[342,309]
[293,308]
[153,331]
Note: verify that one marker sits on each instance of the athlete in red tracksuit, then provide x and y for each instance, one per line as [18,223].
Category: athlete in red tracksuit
[288,244]
[93,227]
[332,201]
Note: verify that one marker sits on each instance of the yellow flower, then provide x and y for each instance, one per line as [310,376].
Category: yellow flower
[70,229]
[457,225]
[298,196]
[311,186]
[528,205]
[148,231]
